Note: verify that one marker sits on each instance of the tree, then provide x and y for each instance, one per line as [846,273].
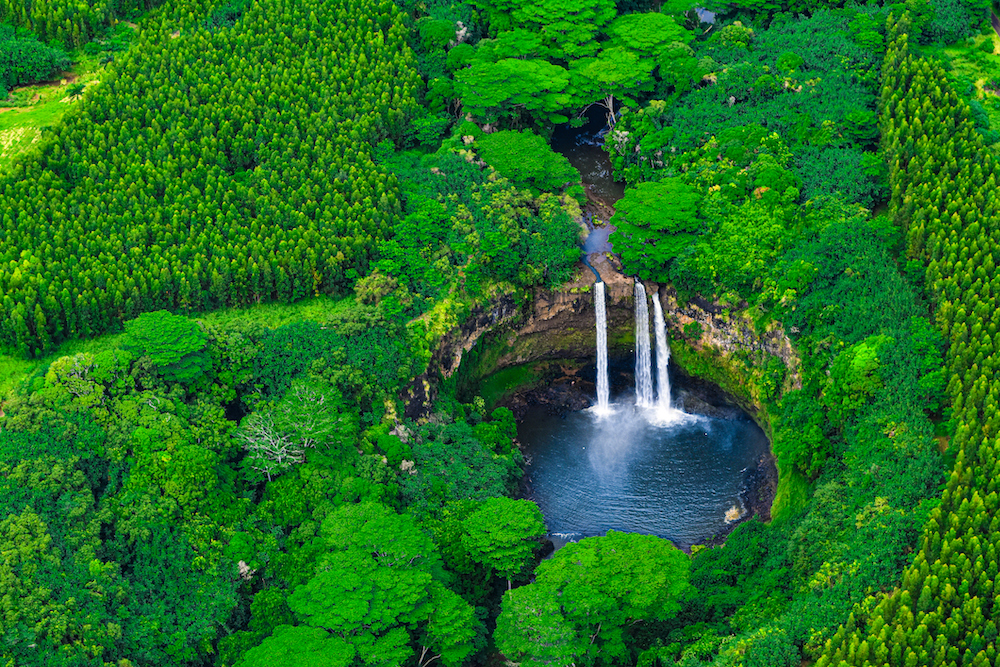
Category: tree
[175,344]
[566,29]
[74,375]
[569,27]
[658,37]
[376,590]
[310,415]
[300,646]
[502,534]
[854,378]
[527,160]
[650,33]
[615,73]
[655,223]
[532,629]
[585,597]
[510,86]
[270,450]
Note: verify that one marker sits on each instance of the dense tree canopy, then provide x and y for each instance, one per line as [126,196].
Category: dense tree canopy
[527,160]
[174,344]
[71,23]
[23,60]
[501,534]
[584,598]
[375,587]
[655,223]
[219,225]
[304,483]
[548,61]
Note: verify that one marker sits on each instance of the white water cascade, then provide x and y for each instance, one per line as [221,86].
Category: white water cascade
[662,356]
[643,372]
[603,393]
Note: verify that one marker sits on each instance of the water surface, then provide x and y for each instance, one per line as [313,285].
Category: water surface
[582,147]
[637,470]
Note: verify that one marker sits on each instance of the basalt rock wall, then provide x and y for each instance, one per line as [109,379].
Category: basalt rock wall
[719,343]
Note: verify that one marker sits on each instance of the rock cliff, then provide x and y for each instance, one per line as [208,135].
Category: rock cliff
[720,343]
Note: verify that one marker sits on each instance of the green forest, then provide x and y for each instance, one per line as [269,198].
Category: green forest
[240,238]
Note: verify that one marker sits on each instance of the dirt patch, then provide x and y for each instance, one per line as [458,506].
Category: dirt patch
[61,79]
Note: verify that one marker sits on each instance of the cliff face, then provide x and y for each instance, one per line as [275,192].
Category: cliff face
[711,341]
[723,345]
[561,323]
[419,396]
[729,332]
[718,343]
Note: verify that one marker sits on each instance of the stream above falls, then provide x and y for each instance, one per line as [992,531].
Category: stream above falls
[582,147]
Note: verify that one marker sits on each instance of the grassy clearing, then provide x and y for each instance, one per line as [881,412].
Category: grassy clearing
[14,369]
[30,109]
[274,315]
[971,66]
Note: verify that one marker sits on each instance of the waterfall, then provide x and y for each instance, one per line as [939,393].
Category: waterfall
[602,350]
[643,372]
[662,356]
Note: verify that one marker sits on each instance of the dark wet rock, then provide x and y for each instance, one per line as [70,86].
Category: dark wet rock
[695,405]
[760,488]
[563,396]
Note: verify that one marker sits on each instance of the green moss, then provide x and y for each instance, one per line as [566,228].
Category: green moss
[506,382]
[732,374]
[621,340]
[791,497]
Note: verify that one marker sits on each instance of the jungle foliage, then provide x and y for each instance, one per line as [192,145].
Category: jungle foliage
[514,64]
[150,528]
[242,494]
[812,81]
[24,59]
[463,228]
[772,226]
[943,198]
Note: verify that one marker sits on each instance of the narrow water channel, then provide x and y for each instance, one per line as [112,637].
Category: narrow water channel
[582,147]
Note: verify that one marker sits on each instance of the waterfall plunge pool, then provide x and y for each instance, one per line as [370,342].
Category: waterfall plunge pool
[638,469]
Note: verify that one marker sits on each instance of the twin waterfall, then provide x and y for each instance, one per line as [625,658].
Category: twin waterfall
[662,356]
[643,372]
[603,393]
[643,365]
